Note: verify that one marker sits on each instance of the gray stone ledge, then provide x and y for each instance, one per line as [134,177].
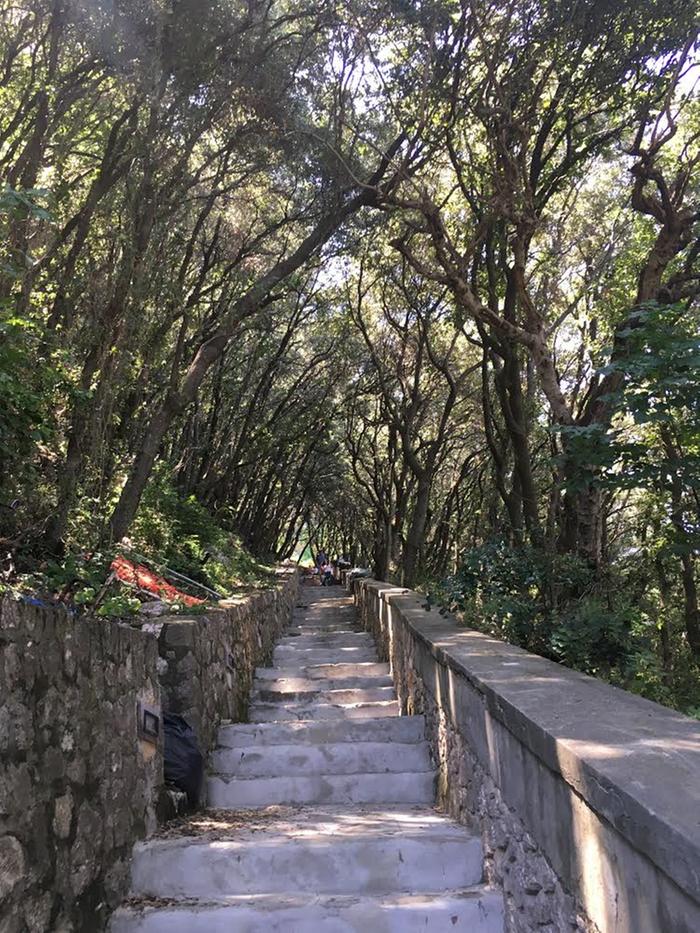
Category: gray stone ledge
[634,762]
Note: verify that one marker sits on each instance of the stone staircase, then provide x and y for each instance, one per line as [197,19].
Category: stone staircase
[321,812]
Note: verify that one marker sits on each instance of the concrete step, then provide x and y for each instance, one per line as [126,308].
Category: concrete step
[289,686]
[326,615]
[329,640]
[321,627]
[325,671]
[357,851]
[333,622]
[319,694]
[337,758]
[350,842]
[277,712]
[227,792]
[476,910]
[287,655]
[294,634]
[401,729]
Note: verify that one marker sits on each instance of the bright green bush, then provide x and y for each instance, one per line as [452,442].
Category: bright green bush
[556,606]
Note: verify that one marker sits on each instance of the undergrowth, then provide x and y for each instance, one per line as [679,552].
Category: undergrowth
[175,536]
[556,606]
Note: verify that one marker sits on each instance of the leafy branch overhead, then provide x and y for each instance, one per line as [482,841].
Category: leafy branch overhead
[419,284]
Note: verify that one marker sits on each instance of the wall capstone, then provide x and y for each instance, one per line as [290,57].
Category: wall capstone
[586,796]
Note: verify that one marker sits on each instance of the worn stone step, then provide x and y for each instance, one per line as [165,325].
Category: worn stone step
[332,758]
[322,627]
[329,640]
[476,910]
[336,696]
[320,790]
[329,672]
[350,842]
[286,655]
[346,623]
[357,851]
[401,729]
[288,687]
[278,712]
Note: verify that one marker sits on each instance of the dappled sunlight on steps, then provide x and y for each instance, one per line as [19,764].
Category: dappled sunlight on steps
[323,816]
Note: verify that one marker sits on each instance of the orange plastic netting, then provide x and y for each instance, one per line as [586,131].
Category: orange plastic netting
[145,579]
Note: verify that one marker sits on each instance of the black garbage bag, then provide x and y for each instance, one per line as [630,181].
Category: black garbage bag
[184,764]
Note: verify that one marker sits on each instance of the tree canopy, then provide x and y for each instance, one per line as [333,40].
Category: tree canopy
[417,283]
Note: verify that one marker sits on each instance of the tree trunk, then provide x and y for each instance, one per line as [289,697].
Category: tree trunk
[416,533]
[210,351]
[583,521]
[691,609]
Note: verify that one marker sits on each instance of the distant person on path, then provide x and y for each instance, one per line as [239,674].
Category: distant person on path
[321,561]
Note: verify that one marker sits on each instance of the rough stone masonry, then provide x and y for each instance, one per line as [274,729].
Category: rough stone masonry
[587,797]
[77,785]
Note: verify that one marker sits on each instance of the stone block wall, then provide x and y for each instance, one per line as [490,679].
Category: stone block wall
[207,662]
[77,786]
[586,797]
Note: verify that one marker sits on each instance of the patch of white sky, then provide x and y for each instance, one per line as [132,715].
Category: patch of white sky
[610,177]
[687,87]
[603,174]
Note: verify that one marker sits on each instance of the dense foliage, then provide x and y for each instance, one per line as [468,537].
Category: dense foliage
[413,282]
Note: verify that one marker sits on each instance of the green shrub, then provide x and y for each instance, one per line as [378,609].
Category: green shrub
[557,606]
[183,535]
[547,603]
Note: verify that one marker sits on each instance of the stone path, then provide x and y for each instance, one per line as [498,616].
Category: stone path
[343,836]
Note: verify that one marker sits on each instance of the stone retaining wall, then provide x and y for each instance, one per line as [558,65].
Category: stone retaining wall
[587,797]
[77,785]
[208,662]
